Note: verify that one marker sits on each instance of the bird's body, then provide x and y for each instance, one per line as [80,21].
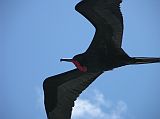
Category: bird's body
[104,53]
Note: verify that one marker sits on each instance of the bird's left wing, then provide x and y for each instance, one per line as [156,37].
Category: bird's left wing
[62,90]
[109,10]
[106,17]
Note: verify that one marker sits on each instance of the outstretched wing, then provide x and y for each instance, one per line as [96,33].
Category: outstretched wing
[106,17]
[60,92]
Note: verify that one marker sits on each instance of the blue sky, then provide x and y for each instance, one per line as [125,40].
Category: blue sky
[35,34]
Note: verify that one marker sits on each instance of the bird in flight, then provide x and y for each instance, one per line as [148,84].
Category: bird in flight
[103,54]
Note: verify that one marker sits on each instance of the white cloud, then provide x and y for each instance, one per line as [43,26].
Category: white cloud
[100,99]
[39,103]
[98,107]
[94,107]
[84,108]
[40,97]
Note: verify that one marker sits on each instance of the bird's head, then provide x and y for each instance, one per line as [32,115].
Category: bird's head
[77,61]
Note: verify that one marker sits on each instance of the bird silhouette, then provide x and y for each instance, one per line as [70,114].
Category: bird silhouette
[104,53]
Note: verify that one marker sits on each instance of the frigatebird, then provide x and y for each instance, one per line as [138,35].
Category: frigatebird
[104,53]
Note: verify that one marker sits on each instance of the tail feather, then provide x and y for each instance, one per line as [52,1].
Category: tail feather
[146,60]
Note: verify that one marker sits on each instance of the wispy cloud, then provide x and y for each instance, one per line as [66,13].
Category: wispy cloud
[84,109]
[98,107]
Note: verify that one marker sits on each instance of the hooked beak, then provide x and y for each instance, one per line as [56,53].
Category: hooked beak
[67,60]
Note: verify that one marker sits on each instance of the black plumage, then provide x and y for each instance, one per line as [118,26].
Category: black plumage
[103,54]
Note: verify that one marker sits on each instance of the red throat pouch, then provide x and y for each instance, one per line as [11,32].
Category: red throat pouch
[78,65]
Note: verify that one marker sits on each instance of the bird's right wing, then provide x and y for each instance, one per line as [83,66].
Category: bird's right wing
[62,90]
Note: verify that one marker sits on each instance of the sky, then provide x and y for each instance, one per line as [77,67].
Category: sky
[35,34]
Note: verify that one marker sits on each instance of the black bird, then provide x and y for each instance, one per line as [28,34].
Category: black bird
[104,53]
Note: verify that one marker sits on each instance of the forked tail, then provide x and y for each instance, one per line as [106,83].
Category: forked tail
[146,60]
